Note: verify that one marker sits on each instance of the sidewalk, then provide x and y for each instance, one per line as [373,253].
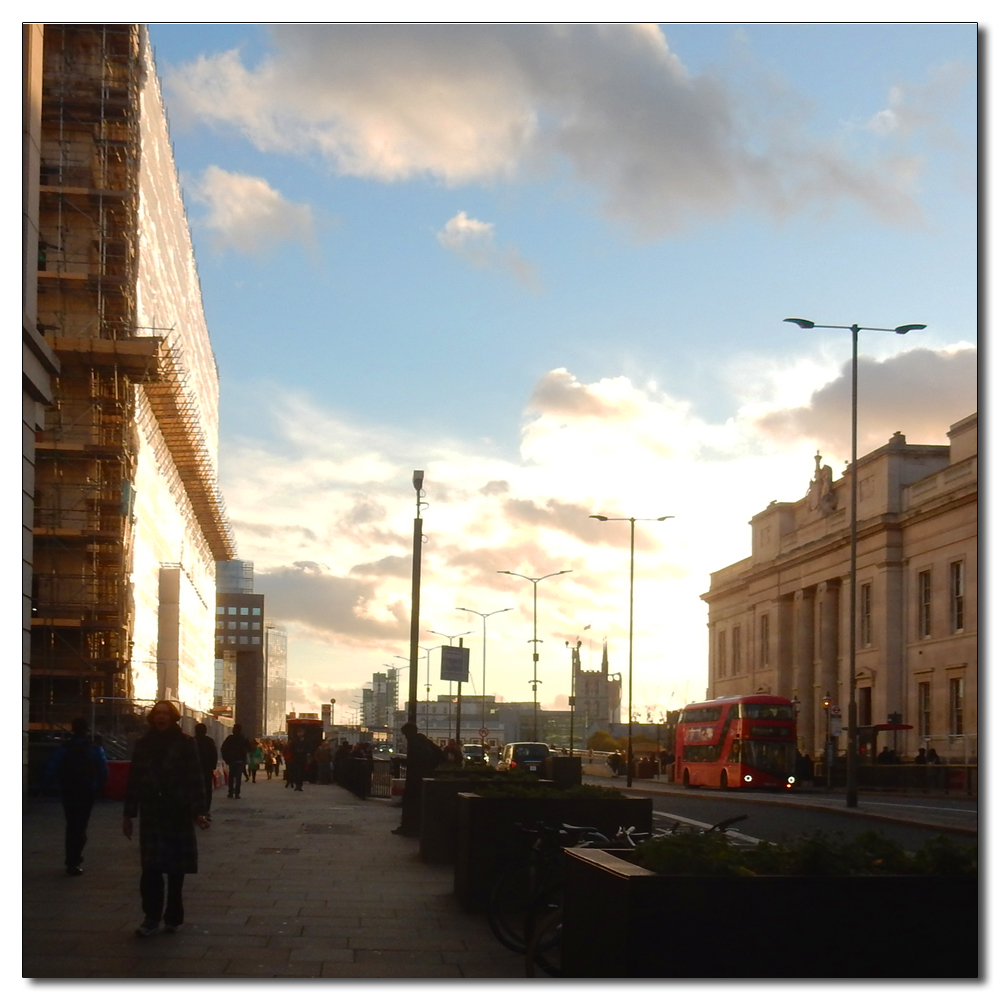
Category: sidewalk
[302,884]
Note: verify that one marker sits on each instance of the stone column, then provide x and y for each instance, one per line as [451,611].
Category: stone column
[782,630]
[828,652]
[802,665]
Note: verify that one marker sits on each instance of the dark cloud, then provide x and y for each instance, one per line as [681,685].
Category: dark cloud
[919,392]
[389,566]
[558,393]
[576,520]
[364,511]
[495,487]
[307,594]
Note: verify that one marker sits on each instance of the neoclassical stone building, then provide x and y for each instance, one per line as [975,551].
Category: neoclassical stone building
[778,620]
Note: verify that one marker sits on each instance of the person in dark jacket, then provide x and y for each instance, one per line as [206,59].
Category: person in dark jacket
[235,750]
[166,790]
[422,757]
[208,754]
[79,769]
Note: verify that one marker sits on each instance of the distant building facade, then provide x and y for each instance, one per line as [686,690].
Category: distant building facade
[239,638]
[778,620]
[598,694]
[276,676]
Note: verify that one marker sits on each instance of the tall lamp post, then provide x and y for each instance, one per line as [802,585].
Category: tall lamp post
[418,536]
[484,615]
[458,726]
[852,705]
[631,596]
[535,581]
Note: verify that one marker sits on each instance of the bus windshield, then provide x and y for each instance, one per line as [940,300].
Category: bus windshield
[769,756]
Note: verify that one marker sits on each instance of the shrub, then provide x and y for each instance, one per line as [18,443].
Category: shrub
[533,789]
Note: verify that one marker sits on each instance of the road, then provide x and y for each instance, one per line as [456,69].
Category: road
[781,816]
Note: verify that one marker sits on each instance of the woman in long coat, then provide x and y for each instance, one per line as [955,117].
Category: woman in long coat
[166,791]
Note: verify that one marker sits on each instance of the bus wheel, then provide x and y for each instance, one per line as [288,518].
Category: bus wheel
[723,781]
[687,778]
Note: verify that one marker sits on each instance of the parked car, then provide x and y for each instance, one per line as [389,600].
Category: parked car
[476,753]
[529,756]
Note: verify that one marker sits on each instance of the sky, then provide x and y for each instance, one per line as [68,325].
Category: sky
[548,265]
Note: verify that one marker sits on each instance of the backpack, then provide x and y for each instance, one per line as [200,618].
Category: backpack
[78,770]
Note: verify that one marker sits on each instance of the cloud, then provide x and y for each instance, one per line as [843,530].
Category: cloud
[920,392]
[479,103]
[246,214]
[473,241]
[336,607]
[613,447]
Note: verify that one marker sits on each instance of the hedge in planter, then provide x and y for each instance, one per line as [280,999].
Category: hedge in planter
[815,909]
[488,840]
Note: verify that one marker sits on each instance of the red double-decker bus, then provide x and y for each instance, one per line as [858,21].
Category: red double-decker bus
[739,742]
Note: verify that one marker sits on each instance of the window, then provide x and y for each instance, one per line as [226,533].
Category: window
[243,640]
[924,709]
[864,706]
[924,604]
[220,611]
[865,614]
[244,626]
[232,624]
[720,655]
[232,640]
[737,643]
[232,611]
[956,705]
[956,574]
[255,641]
[256,611]
[244,611]
[255,626]
[765,640]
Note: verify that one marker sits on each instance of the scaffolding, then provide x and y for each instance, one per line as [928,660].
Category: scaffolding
[82,610]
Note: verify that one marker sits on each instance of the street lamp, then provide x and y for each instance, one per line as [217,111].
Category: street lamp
[418,528]
[534,580]
[484,615]
[631,594]
[827,755]
[852,706]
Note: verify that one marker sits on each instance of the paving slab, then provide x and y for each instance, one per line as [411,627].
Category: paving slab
[289,885]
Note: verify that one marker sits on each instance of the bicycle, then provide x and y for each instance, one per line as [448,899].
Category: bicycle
[543,922]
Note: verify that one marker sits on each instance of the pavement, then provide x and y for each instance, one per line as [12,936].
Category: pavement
[290,884]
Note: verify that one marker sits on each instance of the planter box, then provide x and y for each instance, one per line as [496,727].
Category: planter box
[564,772]
[488,840]
[439,816]
[693,927]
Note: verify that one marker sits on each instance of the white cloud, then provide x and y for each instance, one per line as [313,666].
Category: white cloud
[473,241]
[246,214]
[482,103]
[326,515]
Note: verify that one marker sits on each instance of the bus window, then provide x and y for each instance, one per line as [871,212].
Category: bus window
[769,756]
[734,752]
[758,711]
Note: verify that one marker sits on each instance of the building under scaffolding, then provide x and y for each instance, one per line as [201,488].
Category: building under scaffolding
[128,518]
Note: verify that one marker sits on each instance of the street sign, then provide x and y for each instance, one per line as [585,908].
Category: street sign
[836,727]
[455,664]
[484,733]
[835,712]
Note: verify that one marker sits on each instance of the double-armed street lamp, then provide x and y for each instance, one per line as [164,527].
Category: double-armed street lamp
[852,706]
[534,581]
[484,615]
[631,596]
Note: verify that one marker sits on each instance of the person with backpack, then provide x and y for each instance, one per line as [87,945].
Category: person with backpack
[422,757]
[80,770]
[235,750]
[208,754]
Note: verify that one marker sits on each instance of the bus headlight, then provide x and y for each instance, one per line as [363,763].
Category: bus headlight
[747,777]
[791,779]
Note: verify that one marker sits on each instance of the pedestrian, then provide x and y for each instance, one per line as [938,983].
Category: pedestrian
[362,764]
[300,761]
[79,769]
[932,756]
[884,756]
[235,749]
[452,753]
[208,755]
[340,763]
[422,757]
[921,757]
[166,790]
[254,760]
[269,763]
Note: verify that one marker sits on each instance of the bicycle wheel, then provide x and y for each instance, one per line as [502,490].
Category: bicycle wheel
[544,931]
[509,905]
